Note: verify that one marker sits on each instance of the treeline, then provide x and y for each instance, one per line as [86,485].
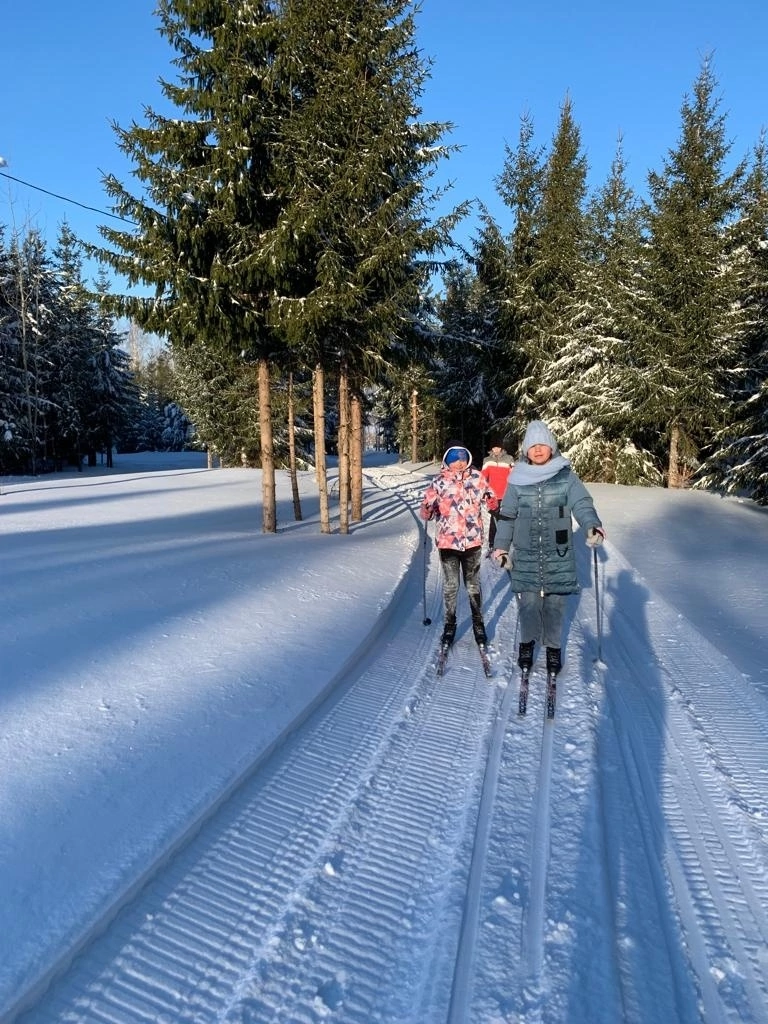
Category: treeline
[285,230]
[69,390]
[637,328]
[66,392]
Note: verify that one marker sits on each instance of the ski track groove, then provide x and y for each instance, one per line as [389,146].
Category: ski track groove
[412,782]
[203,931]
[461,987]
[734,888]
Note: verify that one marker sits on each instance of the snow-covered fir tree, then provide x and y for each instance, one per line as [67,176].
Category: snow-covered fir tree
[695,331]
[114,397]
[66,384]
[216,387]
[350,240]
[532,273]
[592,386]
[11,374]
[178,433]
[71,351]
[29,299]
[738,460]
[555,267]
[506,265]
[211,192]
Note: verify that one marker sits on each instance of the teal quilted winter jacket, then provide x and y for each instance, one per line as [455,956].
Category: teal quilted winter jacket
[535,526]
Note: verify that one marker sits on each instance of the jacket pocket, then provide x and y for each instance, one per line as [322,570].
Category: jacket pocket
[561,528]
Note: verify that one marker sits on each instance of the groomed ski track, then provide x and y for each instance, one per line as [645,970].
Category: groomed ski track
[415,852]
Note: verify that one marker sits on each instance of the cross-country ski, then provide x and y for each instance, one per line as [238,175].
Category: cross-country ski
[442,658]
[522,700]
[551,694]
[485,659]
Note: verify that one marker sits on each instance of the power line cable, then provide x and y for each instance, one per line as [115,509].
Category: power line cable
[66,199]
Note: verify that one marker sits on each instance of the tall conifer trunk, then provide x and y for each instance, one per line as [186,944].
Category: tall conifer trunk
[343,448]
[292,450]
[356,456]
[673,477]
[318,404]
[269,510]
[414,425]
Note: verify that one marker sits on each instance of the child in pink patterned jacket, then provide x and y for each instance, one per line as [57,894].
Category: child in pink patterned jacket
[456,498]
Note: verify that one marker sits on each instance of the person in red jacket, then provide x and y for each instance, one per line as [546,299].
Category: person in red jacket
[456,498]
[496,469]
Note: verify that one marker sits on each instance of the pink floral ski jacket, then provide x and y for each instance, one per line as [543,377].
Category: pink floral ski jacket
[456,500]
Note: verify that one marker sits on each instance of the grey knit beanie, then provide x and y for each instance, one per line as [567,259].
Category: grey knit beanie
[539,433]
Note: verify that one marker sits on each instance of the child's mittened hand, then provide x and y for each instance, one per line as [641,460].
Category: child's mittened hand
[595,536]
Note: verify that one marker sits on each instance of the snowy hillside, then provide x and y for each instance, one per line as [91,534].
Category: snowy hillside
[235,791]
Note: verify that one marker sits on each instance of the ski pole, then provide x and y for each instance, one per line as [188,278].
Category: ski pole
[426,620]
[597,606]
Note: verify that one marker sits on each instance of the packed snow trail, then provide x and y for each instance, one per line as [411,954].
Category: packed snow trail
[334,881]
[417,853]
[692,739]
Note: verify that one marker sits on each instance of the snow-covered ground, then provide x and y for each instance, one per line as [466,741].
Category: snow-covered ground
[234,790]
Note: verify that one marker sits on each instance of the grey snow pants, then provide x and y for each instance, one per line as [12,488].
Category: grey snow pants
[468,564]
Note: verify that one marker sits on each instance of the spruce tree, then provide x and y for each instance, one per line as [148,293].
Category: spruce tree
[506,265]
[113,397]
[695,324]
[561,238]
[210,193]
[216,387]
[70,351]
[591,384]
[554,269]
[545,193]
[466,369]
[738,461]
[32,298]
[11,377]
[289,200]
[355,159]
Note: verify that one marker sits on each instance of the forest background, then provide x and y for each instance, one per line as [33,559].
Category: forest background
[287,236]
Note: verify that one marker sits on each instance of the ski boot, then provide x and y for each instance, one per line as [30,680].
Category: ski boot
[478,629]
[525,656]
[446,640]
[481,639]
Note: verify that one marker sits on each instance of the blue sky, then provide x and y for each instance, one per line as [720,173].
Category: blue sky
[71,69]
